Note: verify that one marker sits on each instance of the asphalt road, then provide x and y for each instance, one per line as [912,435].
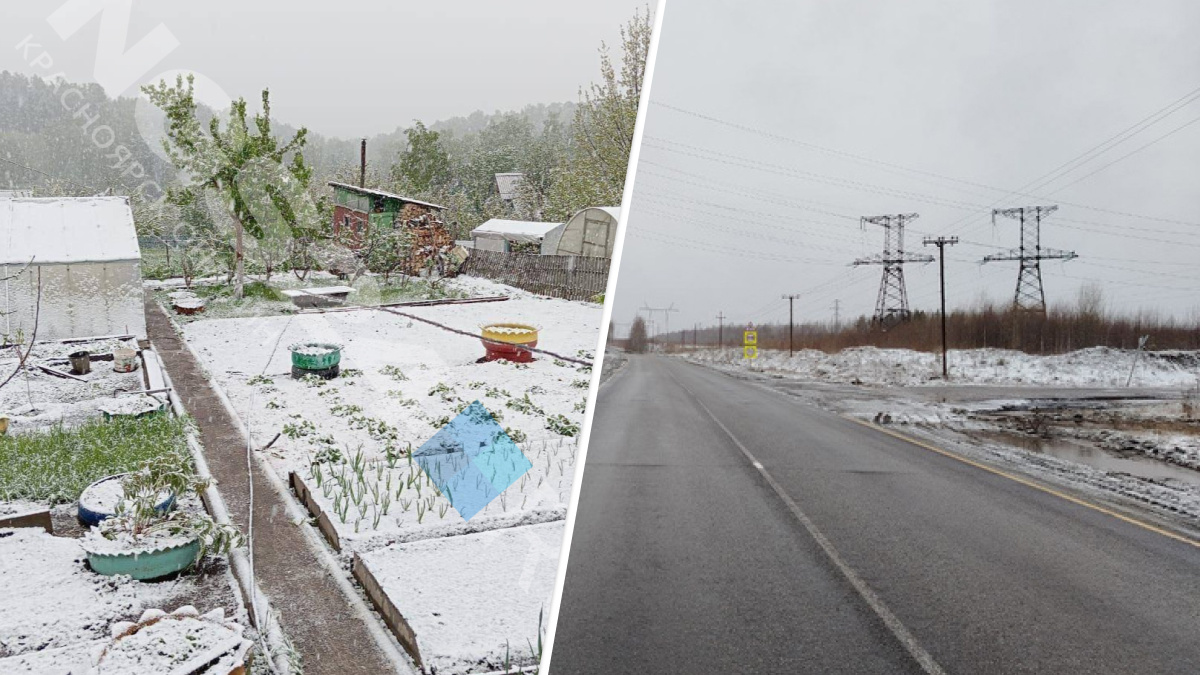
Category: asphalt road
[849,551]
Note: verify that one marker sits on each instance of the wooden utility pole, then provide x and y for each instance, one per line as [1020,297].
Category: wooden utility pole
[941,243]
[791,298]
[721,330]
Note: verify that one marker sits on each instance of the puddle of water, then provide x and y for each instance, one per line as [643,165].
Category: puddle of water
[1143,467]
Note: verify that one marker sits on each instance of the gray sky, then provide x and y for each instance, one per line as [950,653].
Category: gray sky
[996,93]
[357,67]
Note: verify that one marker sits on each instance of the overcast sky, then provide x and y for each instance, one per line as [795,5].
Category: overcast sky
[356,67]
[982,94]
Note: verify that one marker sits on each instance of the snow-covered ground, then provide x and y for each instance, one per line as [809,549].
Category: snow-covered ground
[614,359]
[36,399]
[51,600]
[1094,367]
[401,381]
[1129,453]
[476,601]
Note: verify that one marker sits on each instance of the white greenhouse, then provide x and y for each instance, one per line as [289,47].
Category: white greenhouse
[86,251]
[590,232]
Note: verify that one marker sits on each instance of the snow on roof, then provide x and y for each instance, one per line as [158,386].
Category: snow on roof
[514,230]
[389,195]
[507,184]
[67,230]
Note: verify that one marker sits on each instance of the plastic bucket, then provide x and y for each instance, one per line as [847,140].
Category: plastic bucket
[124,360]
[81,362]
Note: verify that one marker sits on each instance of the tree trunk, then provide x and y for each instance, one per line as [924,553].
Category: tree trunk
[239,253]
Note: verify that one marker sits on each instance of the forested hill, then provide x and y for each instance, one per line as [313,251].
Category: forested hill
[75,143]
[39,131]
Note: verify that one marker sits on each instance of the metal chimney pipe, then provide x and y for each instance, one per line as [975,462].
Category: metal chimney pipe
[362,171]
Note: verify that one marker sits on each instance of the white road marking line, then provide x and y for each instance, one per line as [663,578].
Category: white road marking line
[893,624]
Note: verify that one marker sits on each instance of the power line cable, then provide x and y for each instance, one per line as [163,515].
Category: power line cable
[1091,153]
[51,177]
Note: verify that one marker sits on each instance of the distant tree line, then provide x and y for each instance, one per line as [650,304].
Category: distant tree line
[1064,328]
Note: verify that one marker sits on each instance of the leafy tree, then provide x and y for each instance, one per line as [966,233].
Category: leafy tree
[244,167]
[639,341]
[542,159]
[388,250]
[425,163]
[604,124]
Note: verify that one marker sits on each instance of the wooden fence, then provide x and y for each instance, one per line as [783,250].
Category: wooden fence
[560,276]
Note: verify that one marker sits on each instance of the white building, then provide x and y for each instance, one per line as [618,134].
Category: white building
[86,251]
[511,235]
[508,185]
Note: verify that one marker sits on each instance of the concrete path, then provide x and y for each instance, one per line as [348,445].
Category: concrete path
[725,528]
[314,612]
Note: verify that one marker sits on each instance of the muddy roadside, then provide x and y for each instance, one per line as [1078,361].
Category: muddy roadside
[1135,450]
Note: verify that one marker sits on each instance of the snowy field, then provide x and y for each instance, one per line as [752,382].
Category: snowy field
[1094,367]
[401,381]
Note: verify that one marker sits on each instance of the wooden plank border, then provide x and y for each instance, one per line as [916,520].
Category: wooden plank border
[383,604]
[324,524]
[39,518]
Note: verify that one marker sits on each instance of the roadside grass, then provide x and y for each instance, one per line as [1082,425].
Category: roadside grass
[57,464]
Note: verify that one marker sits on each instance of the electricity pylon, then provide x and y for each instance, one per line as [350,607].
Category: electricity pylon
[1030,296]
[892,306]
[666,312]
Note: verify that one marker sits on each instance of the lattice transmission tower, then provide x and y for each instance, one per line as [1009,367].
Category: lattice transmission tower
[1030,296]
[892,306]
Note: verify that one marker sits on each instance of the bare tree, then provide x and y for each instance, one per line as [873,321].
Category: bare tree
[23,357]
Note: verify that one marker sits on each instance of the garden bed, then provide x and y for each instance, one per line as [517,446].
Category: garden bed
[262,299]
[402,381]
[52,601]
[475,603]
[351,449]
[36,400]
[53,466]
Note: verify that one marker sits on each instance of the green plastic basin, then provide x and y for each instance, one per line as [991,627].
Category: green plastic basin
[146,566]
[331,355]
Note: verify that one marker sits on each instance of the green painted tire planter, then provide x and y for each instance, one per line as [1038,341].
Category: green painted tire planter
[322,361]
[146,565]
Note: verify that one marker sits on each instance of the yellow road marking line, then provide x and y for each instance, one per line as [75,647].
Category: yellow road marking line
[1027,482]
